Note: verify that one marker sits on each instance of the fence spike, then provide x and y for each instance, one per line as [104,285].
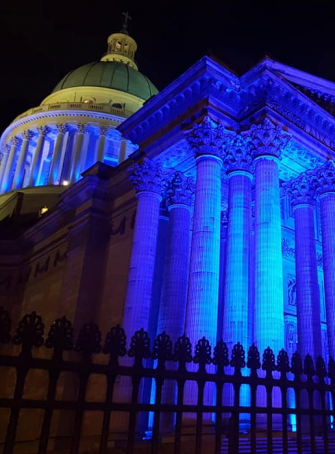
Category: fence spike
[115,344]
[162,349]
[331,370]
[309,370]
[221,356]
[5,326]
[296,366]
[254,361]
[60,337]
[29,333]
[202,355]
[320,369]
[89,340]
[182,352]
[283,363]
[139,347]
[238,358]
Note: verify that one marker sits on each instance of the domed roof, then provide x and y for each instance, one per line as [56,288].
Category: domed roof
[109,74]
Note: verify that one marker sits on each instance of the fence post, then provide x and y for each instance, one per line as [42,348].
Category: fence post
[297,370]
[220,360]
[253,364]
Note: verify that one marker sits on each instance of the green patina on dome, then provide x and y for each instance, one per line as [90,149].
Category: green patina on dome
[109,74]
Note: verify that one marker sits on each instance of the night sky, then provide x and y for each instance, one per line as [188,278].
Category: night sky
[42,40]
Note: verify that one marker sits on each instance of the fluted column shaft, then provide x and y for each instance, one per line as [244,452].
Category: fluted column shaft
[4,161]
[54,175]
[269,323]
[175,279]
[236,313]
[37,159]
[203,290]
[327,202]
[308,298]
[142,262]
[8,173]
[19,172]
[100,151]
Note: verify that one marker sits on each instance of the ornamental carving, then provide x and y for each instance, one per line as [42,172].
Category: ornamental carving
[27,135]
[82,128]
[43,130]
[291,290]
[300,190]
[103,130]
[148,176]
[268,139]
[15,141]
[180,190]
[62,128]
[324,178]
[238,153]
[207,138]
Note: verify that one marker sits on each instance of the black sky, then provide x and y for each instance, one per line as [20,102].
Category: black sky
[43,40]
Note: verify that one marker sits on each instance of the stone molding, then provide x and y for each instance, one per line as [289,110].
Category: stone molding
[238,153]
[148,176]
[207,138]
[180,190]
[268,138]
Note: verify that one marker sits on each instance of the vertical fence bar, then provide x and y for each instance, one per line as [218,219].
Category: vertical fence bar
[284,418]
[218,415]
[157,414]
[324,422]
[200,402]
[133,413]
[43,444]
[297,392]
[253,391]
[179,416]
[107,413]
[269,418]
[84,376]
[22,372]
[311,420]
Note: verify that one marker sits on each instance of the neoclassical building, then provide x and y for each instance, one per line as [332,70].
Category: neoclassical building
[207,208]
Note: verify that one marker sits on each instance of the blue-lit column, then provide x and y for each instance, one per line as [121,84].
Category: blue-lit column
[148,180]
[236,323]
[308,299]
[325,182]
[175,279]
[268,140]
[203,292]
[38,154]
[4,159]
[100,150]
[9,169]
[54,174]
[19,171]
[77,154]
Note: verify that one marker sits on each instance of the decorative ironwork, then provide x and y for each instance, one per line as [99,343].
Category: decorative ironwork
[29,333]
[115,344]
[182,352]
[60,337]
[254,361]
[309,370]
[139,347]
[238,358]
[89,340]
[162,349]
[296,365]
[320,368]
[202,354]
[283,363]
[221,356]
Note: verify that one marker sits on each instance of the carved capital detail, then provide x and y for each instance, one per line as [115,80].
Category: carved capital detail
[62,128]
[6,148]
[238,153]
[180,190]
[300,190]
[148,176]
[27,135]
[15,141]
[103,130]
[43,130]
[207,138]
[82,128]
[324,178]
[268,138]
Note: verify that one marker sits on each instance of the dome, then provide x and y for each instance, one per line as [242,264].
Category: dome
[109,74]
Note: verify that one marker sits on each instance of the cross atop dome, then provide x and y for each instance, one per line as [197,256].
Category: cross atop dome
[125,23]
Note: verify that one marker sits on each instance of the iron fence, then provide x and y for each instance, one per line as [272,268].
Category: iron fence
[171,363]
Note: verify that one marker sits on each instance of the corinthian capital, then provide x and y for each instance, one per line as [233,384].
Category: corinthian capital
[15,141]
[82,128]
[207,138]
[43,130]
[180,190]
[238,153]
[268,138]
[300,190]
[148,176]
[62,128]
[324,178]
[27,135]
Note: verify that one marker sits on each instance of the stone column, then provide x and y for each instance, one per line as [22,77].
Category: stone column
[324,181]
[268,140]
[54,174]
[38,154]
[236,325]
[9,170]
[77,155]
[206,141]
[308,298]
[148,182]
[5,156]
[100,150]
[19,172]
[175,279]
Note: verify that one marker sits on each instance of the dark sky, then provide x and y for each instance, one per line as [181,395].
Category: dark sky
[42,40]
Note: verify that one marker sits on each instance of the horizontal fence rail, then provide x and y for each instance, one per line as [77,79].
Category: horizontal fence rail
[312,385]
